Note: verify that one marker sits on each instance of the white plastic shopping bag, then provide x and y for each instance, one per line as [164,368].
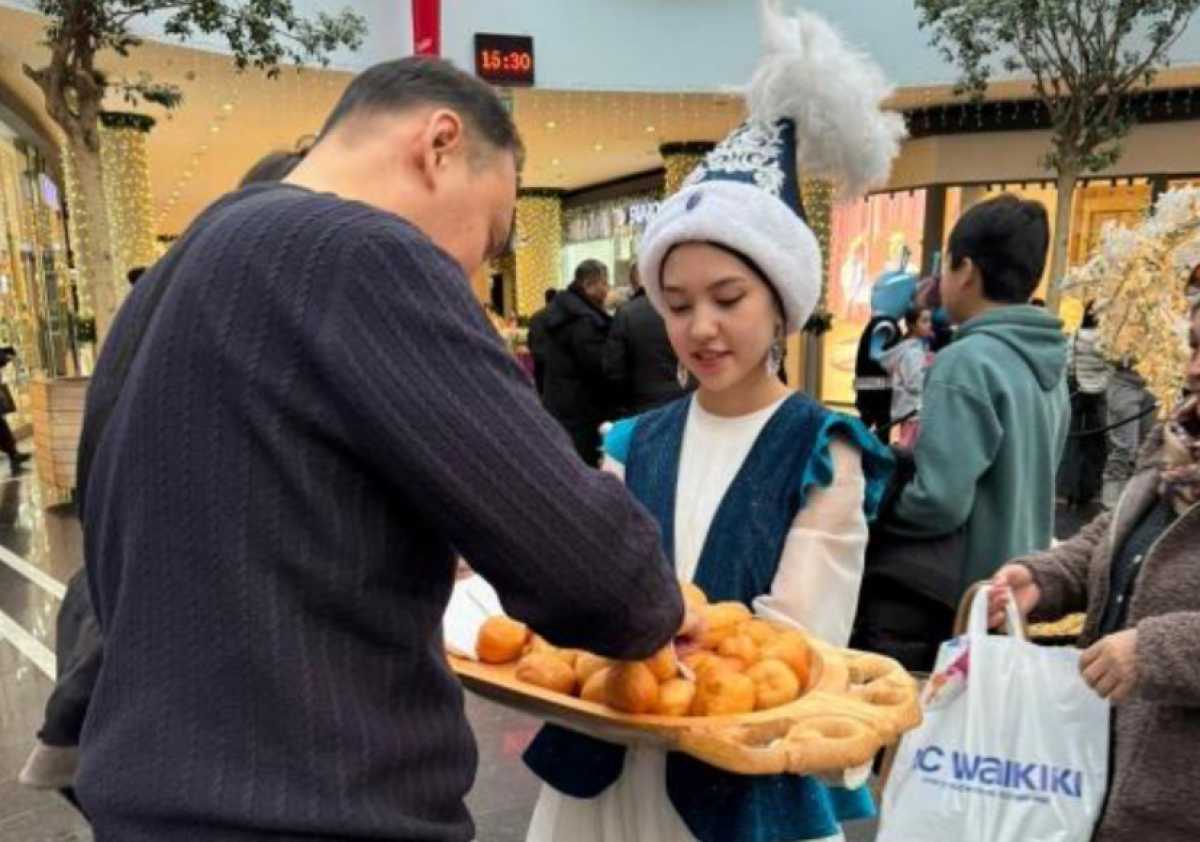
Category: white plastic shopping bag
[1014,746]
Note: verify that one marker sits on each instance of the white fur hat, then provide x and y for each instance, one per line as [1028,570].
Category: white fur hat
[814,105]
[745,219]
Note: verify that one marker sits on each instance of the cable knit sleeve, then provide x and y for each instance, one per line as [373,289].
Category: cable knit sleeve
[820,573]
[474,455]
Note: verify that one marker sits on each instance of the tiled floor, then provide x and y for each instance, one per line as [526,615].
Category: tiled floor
[49,541]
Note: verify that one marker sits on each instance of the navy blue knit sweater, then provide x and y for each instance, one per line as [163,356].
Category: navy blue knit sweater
[319,416]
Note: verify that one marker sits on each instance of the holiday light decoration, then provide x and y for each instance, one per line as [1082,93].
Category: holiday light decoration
[1137,277]
[128,201]
[539,240]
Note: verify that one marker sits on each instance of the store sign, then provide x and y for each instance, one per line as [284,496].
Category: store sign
[504,59]
[641,213]
[607,220]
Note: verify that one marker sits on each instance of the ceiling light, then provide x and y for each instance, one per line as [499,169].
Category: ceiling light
[551,125]
[599,147]
[650,130]
[227,106]
[214,128]
[555,162]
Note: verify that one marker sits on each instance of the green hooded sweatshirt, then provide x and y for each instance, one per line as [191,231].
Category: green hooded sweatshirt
[994,422]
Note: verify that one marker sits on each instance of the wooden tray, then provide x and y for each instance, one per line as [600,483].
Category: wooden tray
[856,704]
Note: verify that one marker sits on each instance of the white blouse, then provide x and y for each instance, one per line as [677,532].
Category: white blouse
[817,584]
[816,588]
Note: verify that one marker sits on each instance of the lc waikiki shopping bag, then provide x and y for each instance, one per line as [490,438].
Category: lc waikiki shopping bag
[1013,748]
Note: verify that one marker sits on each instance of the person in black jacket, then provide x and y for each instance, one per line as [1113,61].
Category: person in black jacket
[640,366]
[537,341]
[577,327]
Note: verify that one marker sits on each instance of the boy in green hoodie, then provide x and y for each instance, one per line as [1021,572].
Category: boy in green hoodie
[995,414]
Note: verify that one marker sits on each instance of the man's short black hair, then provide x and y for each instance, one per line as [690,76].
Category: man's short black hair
[395,86]
[588,271]
[550,295]
[1006,238]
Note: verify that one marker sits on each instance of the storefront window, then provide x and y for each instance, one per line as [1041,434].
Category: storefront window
[608,232]
[34,289]
[1096,204]
[870,236]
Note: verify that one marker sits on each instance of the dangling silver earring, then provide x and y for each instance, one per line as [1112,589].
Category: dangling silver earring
[775,354]
[683,376]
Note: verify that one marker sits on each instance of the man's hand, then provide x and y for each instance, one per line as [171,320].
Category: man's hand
[1110,667]
[1017,580]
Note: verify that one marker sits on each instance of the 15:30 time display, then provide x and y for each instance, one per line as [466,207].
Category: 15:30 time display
[510,62]
[504,59]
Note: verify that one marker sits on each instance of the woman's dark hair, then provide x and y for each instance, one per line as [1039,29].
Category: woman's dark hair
[762,276]
[1089,319]
[1006,238]
[913,318]
[396,86]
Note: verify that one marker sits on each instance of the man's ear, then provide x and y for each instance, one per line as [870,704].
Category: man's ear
[442,137]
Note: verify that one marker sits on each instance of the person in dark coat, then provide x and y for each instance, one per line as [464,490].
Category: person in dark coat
[538,339]
[577,328]
[8,442]
[640,366]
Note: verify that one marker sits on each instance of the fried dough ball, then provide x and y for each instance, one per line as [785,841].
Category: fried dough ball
[792,649]
[663,664]
[549,671]
[693,596]
[587,665]
[594,688]
[721,621]
[701,662]
[675,697]
[740,647]
[774,684]
[501,640]
[631,688]
[571,656]
[721,693]
[760,631]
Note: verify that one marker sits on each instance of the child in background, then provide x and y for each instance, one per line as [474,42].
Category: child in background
[907,363]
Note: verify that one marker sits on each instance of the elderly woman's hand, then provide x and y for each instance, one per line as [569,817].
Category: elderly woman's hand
[1017,580]
[1110,667]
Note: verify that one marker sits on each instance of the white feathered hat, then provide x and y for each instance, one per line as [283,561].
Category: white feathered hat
[814,104]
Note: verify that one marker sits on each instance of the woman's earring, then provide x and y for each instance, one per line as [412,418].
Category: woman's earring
[775,354]
[683,376]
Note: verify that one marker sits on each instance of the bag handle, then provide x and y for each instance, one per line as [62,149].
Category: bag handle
[977,626]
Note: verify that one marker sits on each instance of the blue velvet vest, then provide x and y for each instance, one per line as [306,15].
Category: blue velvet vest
[740,556]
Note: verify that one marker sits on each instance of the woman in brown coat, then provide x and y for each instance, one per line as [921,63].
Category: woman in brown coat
[1136,571]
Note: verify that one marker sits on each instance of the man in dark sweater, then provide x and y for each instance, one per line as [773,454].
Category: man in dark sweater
[316,419]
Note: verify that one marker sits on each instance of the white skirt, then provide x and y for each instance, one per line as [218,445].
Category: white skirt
[634,809]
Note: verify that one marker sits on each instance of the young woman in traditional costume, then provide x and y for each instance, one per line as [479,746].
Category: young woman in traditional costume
[763,495]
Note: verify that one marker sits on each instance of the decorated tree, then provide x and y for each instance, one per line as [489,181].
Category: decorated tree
[260,33]
[1085,58]
[1137,278]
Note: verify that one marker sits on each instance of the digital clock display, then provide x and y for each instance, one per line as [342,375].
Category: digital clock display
[504,59]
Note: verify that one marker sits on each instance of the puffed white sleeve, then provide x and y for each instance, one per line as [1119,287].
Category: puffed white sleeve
[820,573]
